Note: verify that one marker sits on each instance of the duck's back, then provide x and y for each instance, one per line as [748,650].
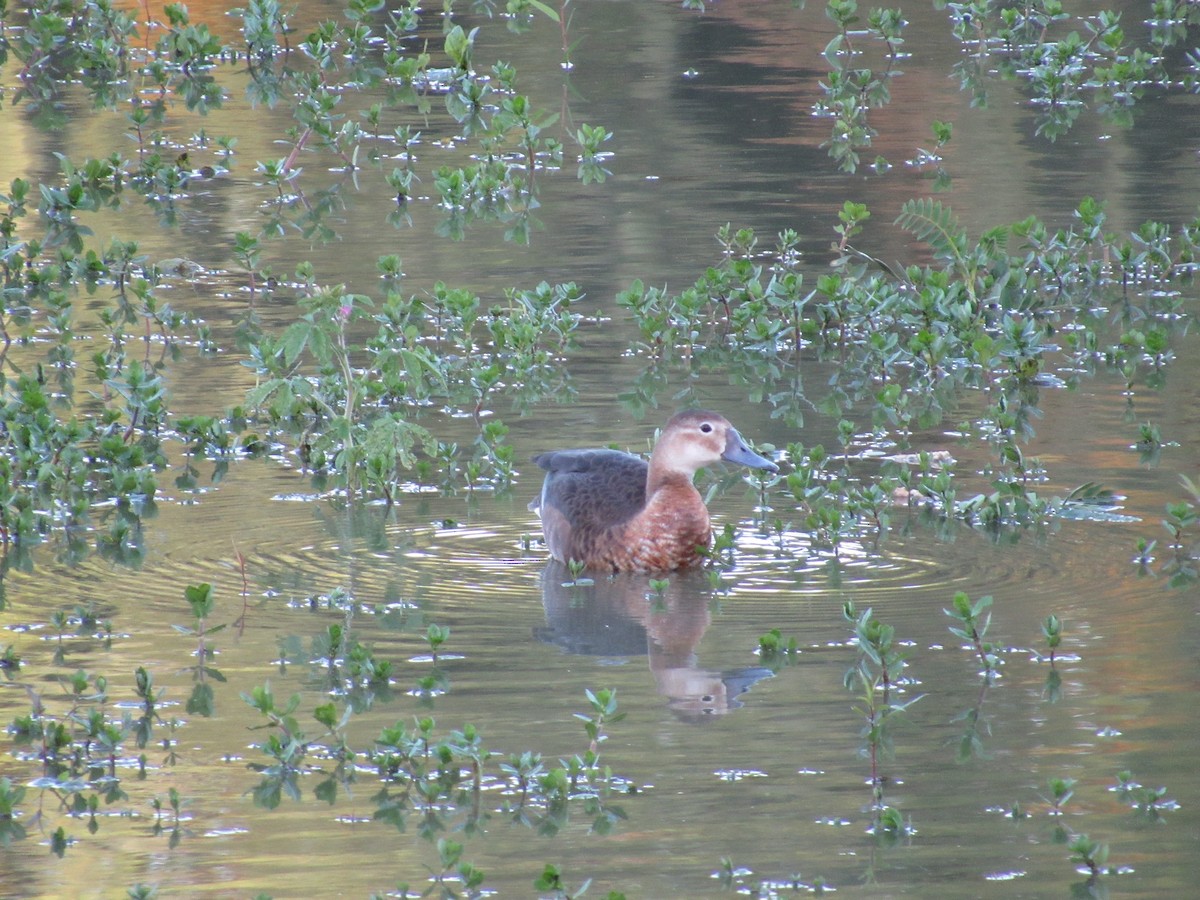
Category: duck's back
[588,492]
[594,510]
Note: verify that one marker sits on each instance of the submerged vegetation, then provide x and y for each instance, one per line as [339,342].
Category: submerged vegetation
[363,392]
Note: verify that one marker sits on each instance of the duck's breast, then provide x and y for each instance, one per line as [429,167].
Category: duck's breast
[669,532]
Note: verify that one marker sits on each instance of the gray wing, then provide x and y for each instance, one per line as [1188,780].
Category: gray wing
[593,490]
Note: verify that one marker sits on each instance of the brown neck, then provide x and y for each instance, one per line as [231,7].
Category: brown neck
[659,476]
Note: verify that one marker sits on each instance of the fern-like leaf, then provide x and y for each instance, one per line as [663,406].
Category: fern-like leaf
[929,221]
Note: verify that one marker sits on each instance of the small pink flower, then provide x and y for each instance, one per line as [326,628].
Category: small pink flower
[344,312]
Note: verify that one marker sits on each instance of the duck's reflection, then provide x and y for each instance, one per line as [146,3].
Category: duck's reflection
[623,615]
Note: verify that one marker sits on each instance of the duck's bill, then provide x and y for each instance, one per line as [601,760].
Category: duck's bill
[736,451]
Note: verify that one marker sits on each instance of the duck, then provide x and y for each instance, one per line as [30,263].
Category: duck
[615,511]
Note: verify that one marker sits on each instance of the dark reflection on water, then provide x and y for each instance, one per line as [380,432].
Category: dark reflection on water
[624,616]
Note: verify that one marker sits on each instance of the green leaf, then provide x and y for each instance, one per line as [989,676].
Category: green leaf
[831,52]
[547,11]
[320,344]
[929,221]
[326,714]
[294,340]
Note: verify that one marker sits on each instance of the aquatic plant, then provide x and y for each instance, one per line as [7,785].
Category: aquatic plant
[975,619]
[342,425]
[1052,630]
[913,341]
[78,752]
[850,92]
[436,682]
[1179,522]
[875,678]
[552,879]
[1061,790]
[577,567]
[455,873]
[775,650]
[175,804]
[1149,803]
[906,333]
[585,767]
[1065,60]
[200,599]
[286,745]
[1092,856]
[11,796]
[436,635]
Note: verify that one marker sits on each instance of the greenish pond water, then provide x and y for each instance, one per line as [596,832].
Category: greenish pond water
[726,757]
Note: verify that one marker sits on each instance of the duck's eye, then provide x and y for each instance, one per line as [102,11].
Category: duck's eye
[706,428]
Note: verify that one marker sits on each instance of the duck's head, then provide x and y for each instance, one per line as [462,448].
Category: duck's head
[697,438]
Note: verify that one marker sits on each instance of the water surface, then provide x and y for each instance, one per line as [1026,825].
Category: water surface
[729,759]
